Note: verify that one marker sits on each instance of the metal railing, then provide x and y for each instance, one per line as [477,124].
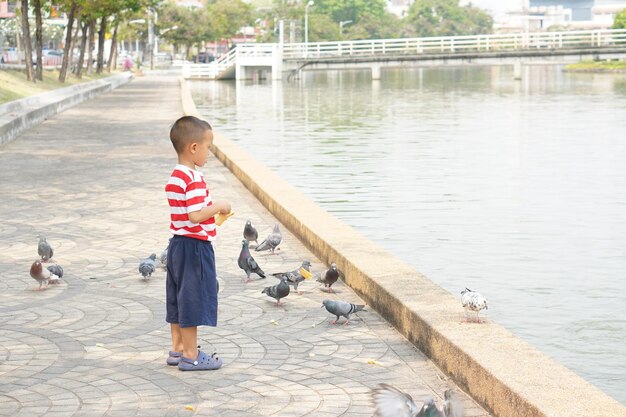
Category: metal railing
[456,44]
[411,46]
[228,61]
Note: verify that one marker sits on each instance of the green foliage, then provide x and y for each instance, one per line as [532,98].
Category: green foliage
[446,18]
[219,19]
[620,20]
[226,17]
[322,28]
[386,26]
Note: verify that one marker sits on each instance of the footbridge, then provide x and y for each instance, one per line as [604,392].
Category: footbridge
[288,60]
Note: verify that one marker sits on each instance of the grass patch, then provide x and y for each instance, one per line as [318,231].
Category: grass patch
[598,66]
[13,83]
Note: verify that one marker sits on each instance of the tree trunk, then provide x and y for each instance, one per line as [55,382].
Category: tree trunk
[113,54]
[67,50]
[38,39]
[28,49]
[101,33]
[92,36]
[77,22]
[83,46]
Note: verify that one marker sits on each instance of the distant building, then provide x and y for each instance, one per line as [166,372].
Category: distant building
[539,15]
[7,9]
[190,3]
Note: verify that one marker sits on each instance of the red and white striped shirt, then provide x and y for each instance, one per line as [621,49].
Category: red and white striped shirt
[187,192]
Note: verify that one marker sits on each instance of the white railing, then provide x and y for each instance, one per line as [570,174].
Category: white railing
[411,46]
[455,44]
[227,62]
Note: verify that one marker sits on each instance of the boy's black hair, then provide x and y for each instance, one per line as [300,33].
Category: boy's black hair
[188,129]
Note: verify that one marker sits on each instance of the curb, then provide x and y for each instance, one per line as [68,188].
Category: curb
[19,115]
[505,375]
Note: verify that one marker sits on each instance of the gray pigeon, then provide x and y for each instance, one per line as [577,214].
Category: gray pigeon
[55,270]
[473,301]
[247,262]
[148,266]
[278,291]
[329,277]
[250,233]
[391,402]
[163,258]
[44,249]
[272,241]
[342,308]
[41,275]
[296,276]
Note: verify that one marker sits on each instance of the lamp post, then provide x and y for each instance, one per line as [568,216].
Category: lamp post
[342,24]
[306,26]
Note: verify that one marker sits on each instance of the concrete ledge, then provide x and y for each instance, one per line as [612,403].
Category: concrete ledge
[504,374]
[19,115]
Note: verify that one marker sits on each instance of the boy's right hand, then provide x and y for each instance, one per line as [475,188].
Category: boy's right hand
[224,206]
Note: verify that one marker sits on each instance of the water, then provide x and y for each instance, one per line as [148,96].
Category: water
[516,189]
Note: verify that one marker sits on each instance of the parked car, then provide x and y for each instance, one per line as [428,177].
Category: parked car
[203,58]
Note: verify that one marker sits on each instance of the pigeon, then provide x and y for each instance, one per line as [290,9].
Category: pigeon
[329,277]
[342,308]
[44,249]
[391,402]
[247,262]
[41,275]
[163,258]
[250,233]
[473,301]
[296,276]
[278,291]
[148,266]
[272,241]
[55,270]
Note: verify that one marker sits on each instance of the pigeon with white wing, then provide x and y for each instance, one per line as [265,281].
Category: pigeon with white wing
[342,308]
[473,301]
[272,241]
[391,402]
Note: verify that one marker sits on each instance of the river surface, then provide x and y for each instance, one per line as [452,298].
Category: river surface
[515,189]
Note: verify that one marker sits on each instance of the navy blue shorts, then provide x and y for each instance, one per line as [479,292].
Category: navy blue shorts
[191,285]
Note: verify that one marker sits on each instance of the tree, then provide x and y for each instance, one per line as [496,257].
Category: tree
[446,18]
[74,7]
[38,39]
[28,49]
[226,18]
[386,26]
[620,20]
[322,28]
[342,10]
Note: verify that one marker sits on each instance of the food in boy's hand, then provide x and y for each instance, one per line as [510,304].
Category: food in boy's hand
[221,218]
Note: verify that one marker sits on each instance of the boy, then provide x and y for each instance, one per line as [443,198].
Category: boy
[191,285]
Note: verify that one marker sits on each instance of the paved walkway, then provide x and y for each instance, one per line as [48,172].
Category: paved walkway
[91,180]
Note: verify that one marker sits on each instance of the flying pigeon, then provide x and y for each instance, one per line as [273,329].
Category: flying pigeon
[391,402]
[163,258]
[296,276]
[329,277]
[272,241]
[342,308]
[44,249]
[250,233]
[473,301]
[41,275]
[148,266]
[247,262]
[278,291]
[55,270]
